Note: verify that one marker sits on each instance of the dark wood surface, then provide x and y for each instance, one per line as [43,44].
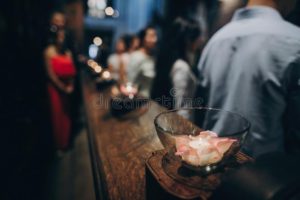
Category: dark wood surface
[119,146]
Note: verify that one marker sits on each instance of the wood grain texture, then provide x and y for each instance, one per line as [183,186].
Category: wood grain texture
[120,145]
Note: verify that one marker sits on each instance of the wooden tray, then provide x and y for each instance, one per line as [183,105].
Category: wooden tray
[175,187]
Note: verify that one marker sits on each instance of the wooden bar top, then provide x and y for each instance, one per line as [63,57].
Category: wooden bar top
[119,146]
[160,185]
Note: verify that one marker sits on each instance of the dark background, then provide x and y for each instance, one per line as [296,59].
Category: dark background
[25,140]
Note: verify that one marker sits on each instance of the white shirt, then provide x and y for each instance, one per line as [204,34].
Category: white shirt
[141,71]
[184,85]
[115,61]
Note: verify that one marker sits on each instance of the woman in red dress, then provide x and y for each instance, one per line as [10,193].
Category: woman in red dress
[61,72]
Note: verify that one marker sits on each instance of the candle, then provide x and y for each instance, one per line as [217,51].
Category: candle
[129,90]
[98,69]
[92,63]
[106,75]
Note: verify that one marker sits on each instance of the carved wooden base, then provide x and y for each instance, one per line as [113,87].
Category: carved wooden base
[160,185]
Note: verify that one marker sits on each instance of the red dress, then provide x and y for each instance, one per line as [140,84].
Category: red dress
[63,67]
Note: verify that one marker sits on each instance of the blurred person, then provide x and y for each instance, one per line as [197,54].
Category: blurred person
[117,62]
[252,66]
[134,44]
[61,72]
[57,20]
[140,68]
[175,78]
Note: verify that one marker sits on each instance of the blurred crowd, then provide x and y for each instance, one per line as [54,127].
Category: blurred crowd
[180,54]
[160,65]
[250,66]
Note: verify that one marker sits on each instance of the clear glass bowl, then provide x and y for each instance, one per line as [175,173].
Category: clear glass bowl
[191,121]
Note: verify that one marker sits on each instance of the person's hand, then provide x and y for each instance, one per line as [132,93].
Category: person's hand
[69,89]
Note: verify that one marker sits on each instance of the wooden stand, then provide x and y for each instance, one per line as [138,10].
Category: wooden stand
[160,186]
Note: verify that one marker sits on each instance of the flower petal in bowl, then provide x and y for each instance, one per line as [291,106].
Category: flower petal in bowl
[204,141]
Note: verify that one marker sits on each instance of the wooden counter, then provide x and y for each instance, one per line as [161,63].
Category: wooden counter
[119,146]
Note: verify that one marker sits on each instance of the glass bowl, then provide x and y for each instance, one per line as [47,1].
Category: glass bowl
[188,123]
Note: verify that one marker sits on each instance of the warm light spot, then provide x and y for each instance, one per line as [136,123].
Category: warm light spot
[129,89]
[106,74]
[109,11]
[94,65]
[98,69]
[97,41]
[208,168]
[90,62]
[114,91]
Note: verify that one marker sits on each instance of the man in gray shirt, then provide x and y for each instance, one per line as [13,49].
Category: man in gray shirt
[252,66]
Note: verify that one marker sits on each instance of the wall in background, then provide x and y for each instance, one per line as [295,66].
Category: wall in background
[133,16]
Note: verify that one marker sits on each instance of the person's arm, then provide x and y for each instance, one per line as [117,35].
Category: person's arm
[122,70]
[293,108]
[70,86]
[51,75]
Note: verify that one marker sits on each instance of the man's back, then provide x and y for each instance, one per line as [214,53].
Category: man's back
[246,68]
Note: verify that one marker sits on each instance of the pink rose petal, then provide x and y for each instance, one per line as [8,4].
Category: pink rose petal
[223,146]
[208,134]
[204,149]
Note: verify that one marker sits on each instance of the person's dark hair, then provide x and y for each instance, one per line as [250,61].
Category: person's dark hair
[182,32]
[142,34]
[55,11]
[52,30]
[127,39]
